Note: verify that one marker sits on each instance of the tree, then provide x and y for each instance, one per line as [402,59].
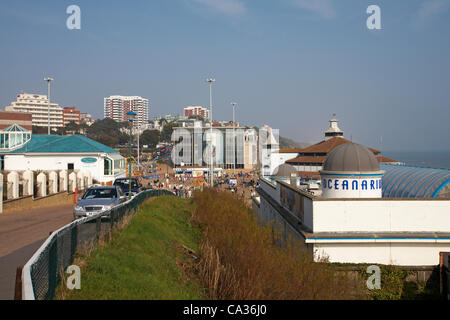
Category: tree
[197,117]
[150,137]
[72,127]
[39,130]
[166,133]
[108,132]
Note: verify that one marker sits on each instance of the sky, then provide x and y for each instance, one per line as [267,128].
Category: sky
[290,64]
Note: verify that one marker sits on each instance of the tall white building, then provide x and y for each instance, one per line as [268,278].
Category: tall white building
[37,105]
[116,108]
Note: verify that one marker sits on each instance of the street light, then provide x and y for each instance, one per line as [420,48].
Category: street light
[211,167]
[131,116]
[48,90]
[234,142]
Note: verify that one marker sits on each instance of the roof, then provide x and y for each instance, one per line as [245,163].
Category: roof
[326,146]
[413,182]
[284,170]
[309,174]
[351,157]
[43,143]
[308,159]
[384,159]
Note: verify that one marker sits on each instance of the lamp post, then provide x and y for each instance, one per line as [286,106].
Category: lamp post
[211,166]
[234,142]
[131,115]
[48,91]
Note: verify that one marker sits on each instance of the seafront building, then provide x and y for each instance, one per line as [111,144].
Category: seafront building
[239,151]
[361,211]
[309,161]
[37,106]
[116,108]
[53,152]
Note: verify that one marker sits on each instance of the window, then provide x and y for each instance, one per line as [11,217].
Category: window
[70,166]
[100,194]
[108,167]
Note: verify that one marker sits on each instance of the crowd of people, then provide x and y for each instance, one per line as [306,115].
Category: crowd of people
[183,185]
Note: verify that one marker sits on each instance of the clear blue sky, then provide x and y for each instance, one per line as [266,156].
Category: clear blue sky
[288,63]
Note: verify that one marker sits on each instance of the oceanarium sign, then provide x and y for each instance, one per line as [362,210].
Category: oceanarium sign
[352,184]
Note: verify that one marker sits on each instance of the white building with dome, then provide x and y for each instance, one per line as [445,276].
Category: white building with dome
[351,222]
[351,171]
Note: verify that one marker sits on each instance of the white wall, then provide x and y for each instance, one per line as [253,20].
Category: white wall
[381,216]
[270,188]
[402,254]
[59,162]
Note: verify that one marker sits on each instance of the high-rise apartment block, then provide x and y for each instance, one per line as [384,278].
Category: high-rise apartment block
[116,108]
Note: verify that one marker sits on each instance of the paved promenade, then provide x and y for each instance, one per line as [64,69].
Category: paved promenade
[21,234]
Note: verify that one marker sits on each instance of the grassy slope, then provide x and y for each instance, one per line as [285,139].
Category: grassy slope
[139,263]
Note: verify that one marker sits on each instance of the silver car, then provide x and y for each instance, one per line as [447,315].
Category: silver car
[98,199]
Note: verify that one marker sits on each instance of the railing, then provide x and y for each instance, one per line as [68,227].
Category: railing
[445,275]
[42,273]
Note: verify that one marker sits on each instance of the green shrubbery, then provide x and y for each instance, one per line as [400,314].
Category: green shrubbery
[239,260]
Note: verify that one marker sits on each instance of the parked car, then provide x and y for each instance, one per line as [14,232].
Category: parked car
[98,199]
[124,184]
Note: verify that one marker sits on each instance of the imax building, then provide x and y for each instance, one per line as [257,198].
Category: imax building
[364,212]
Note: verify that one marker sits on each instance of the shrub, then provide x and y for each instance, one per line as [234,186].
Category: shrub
[239,258]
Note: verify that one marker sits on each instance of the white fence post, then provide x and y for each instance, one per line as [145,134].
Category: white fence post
[42,184]
[28,183]
[80,180]
[53,182]
[63,180]
[13,185]
[72,181]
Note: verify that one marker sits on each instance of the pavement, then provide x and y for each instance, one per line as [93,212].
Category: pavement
[21,234]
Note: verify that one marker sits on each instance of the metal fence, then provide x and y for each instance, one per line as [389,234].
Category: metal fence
[42,273]
[445,275]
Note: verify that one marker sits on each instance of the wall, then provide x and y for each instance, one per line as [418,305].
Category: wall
[27,203]
[59,162]
[381,215]
[402,254]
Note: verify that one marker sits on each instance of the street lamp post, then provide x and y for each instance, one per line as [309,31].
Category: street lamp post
[48,91]
[211,166]
[131,115]
[234,141]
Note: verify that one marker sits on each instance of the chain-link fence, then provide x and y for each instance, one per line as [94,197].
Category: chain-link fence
[42,273]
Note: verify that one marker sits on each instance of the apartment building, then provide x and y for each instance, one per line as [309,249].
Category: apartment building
[196,111]
[116,108]
[37,105]
[71,114]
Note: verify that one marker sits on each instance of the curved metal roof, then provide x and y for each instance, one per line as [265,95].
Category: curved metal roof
[413,182]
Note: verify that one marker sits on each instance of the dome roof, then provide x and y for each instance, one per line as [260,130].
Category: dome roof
[284,170]
[351,157]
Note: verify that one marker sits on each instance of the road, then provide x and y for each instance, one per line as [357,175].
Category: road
[21,234]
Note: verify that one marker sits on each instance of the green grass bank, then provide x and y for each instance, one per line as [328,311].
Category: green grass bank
[143,260]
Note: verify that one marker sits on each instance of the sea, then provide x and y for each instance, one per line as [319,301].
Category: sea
[432,159]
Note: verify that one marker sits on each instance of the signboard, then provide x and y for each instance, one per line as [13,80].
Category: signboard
[88,160]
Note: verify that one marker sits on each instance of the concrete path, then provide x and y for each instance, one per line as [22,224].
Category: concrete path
[21,234]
